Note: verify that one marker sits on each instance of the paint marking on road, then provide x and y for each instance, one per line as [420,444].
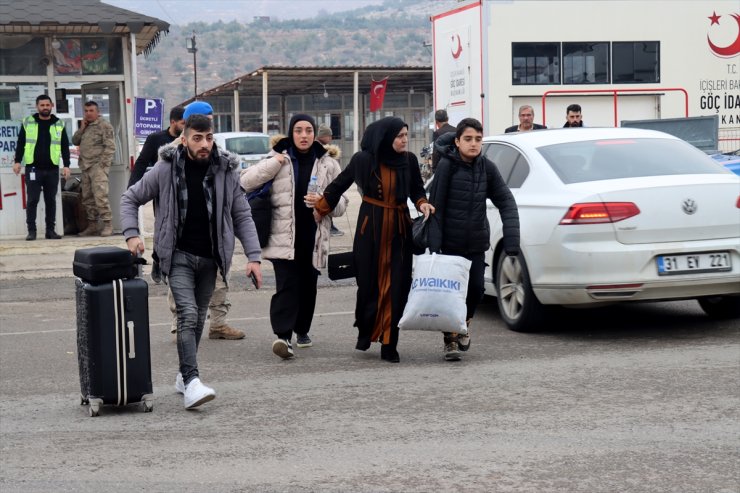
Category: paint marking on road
[167,324]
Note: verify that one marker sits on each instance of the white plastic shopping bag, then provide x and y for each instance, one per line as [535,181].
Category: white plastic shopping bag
[437,297]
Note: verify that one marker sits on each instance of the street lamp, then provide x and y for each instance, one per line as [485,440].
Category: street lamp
[190,45]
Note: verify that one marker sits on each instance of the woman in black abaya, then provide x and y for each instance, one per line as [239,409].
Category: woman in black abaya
[386,175]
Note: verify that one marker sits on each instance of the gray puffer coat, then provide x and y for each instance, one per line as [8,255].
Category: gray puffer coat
[233,215]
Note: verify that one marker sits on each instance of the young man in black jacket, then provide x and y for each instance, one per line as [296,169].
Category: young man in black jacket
[149,153]
[463,181]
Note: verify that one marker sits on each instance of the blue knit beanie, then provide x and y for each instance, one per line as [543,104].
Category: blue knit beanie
[197,108]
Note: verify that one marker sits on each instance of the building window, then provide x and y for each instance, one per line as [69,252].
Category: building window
[22,55]
[586,63]
[535,63]
[636,62]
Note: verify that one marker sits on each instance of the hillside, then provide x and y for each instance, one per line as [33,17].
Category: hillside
[392,34]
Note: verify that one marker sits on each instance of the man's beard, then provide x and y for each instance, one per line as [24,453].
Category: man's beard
[199,160]
[45,113]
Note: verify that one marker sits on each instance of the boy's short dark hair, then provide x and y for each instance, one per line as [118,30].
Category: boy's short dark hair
[199,123]
[43,97]
[575,108]
[176,113]
[468,123]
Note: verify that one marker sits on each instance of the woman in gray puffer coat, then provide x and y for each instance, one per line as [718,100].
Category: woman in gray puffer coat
[463,180]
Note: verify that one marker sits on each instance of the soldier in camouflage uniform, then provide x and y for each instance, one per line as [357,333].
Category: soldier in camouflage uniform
[97,147]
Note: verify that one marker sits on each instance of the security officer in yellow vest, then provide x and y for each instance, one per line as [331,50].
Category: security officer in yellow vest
[42,141]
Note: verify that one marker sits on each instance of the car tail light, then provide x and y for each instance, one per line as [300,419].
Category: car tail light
[737,204]
[599,212]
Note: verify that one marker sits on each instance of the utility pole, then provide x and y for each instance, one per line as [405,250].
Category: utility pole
[191,47]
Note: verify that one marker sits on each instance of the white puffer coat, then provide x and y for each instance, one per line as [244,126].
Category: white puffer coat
[282,230]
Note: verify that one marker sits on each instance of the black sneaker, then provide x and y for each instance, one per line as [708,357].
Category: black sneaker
[283,348]
[52,235]
[302,340]
[31,236]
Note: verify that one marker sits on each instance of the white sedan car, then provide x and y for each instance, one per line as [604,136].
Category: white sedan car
[613,215]
[252,147]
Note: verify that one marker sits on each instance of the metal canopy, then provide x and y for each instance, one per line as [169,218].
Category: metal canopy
[287,81]
[69,17]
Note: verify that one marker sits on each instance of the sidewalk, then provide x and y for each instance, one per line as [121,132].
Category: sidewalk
[41,259]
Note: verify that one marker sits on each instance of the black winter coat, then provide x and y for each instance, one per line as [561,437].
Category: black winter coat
[459,194]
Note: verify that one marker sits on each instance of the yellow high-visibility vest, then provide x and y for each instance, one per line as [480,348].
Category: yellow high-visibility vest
[32,133]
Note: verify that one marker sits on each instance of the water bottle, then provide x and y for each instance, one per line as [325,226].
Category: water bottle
[313,187]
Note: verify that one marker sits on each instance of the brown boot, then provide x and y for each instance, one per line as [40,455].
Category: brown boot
[91,230]
[225,332]
[452,350]
[107,228]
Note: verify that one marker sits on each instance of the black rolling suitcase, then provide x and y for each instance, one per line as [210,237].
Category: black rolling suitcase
[113,342]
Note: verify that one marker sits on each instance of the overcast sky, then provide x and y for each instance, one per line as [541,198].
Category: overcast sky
[184,11]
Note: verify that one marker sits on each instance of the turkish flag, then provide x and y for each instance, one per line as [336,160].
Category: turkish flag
[377,93]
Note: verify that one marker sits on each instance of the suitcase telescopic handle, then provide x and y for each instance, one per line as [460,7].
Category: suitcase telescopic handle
[131,342]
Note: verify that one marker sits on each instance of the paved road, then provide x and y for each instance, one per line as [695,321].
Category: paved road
[635,399]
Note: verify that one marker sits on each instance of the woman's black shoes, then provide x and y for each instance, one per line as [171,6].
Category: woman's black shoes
[388,353]
[363,343]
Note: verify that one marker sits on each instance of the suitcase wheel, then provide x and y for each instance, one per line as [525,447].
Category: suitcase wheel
[83,400]
[147,403]
[94,408]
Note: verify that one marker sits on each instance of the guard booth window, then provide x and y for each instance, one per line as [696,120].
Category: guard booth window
[22,55]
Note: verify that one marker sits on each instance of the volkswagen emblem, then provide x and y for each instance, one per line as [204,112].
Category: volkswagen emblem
[689,206]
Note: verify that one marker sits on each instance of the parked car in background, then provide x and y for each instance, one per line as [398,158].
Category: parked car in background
[251,147]
[730,160]
[613,215]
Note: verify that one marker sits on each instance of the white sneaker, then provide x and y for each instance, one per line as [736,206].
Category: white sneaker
[179,384]
[196,393]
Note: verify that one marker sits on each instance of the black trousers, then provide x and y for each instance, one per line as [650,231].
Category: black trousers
[475,280]
[294,301]
[46,179]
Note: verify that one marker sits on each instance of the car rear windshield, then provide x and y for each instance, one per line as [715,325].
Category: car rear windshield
[248,144]
[593,160]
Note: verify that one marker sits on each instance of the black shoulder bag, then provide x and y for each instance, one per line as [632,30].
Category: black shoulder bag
[259,202]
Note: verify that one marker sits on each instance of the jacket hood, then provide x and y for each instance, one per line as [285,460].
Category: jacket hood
[334,151]
[445,146]
[53,118]
[286,143]
[167,153]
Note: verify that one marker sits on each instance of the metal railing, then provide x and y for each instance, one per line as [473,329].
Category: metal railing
[615,93]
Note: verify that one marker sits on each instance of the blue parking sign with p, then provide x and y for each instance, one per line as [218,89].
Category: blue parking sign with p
[148,116]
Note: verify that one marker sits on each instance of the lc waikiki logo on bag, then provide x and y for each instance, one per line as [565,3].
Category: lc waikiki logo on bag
[437,296]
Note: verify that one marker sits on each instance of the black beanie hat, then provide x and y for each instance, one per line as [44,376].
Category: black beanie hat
[300,117]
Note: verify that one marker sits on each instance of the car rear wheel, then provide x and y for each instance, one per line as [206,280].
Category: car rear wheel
[721,307]
[519,307]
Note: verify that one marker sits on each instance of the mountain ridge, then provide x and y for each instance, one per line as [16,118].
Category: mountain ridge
[395,33]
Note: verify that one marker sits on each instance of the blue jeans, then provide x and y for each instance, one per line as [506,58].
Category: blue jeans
[191,279]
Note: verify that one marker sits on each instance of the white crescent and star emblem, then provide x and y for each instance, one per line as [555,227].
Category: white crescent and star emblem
[730,50]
